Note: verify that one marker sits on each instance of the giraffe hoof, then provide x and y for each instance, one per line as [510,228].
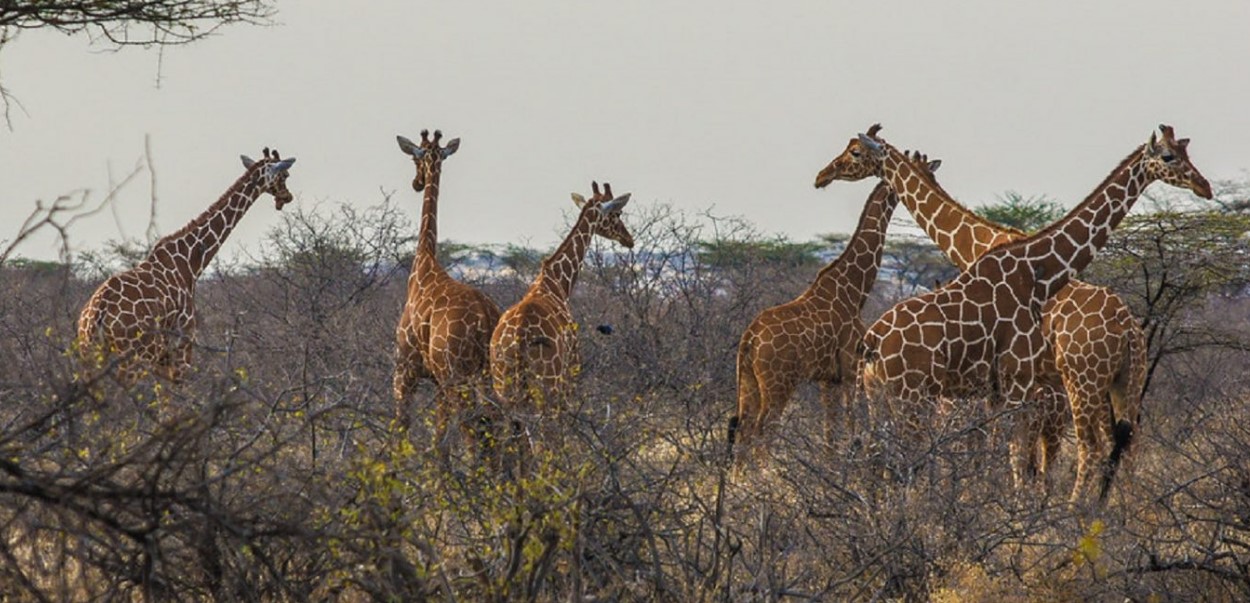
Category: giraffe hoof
[605,329]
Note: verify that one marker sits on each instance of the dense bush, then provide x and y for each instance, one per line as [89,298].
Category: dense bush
[273,474]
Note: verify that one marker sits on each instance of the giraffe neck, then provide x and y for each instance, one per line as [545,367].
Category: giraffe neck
[1062,250]
[559,271]
[425,262]
[961,234]
[856,268]
[189,250]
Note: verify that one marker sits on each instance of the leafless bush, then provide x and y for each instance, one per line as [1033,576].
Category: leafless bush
[271,474]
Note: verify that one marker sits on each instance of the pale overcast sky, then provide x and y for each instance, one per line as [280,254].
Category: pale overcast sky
[734,105]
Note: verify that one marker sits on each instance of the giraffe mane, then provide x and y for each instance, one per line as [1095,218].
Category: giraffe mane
[917,161]
[1130,158]
[194,222]
[880,189]
[593,201]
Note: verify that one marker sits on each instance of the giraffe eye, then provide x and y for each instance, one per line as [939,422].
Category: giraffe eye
[1168,157]
[855,153]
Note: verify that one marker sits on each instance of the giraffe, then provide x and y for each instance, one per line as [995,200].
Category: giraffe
[533,351]
[145,316]
[813,337]
[984,327]
[444,330]
[1097,345]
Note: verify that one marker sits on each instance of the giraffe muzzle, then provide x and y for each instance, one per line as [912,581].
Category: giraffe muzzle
[1203,189]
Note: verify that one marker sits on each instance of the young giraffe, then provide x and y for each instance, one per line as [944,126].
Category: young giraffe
[984,327]
[1098,348]
[813,337]
[145,316]
[444,330]
[533,351]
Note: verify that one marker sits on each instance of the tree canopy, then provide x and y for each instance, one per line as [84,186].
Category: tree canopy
[1026,213]
[119,23]
[1167,264]
[133,22]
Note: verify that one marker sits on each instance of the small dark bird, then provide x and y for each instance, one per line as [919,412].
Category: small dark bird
[605,329]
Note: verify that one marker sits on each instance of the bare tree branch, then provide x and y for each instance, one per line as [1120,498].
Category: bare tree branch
[61,215]
[120,23]
[134,22]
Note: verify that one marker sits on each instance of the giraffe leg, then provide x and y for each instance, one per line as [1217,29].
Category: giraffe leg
[457,414]
[478,417]
[1090,420]
[1021,426]
[1046,415]
[836,400]
[744,425]
[409,370]
[148,356]
[911,413]
[1020,447]
[773,398]
[129,372]
[828,401]
[129,350]
[1055,420]
[176,360]
[491,422]
[744,429]
[448,403]
[1085,408]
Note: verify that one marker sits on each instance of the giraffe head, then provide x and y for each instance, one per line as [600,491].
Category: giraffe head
[428,156]
[860,159]
[1166,158]
[271,173]
[604,212]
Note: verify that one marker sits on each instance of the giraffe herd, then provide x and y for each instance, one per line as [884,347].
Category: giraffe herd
[1015,330]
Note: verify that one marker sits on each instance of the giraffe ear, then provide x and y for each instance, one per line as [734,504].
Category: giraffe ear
[873,146]
[453,145]
[579,200]
[407,146]
[247,161]
[282,166]
[934,165]
[616,204]
[1152,146]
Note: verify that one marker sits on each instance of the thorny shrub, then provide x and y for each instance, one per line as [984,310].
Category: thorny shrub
[273,472]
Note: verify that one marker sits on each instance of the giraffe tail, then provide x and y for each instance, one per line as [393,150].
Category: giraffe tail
[748,393]
[1126,397]
[90,331]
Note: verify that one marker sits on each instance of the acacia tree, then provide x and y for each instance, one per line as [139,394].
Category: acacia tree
[915,264]
[1167,264]
[134,22]
[119,23]
[1026,213]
